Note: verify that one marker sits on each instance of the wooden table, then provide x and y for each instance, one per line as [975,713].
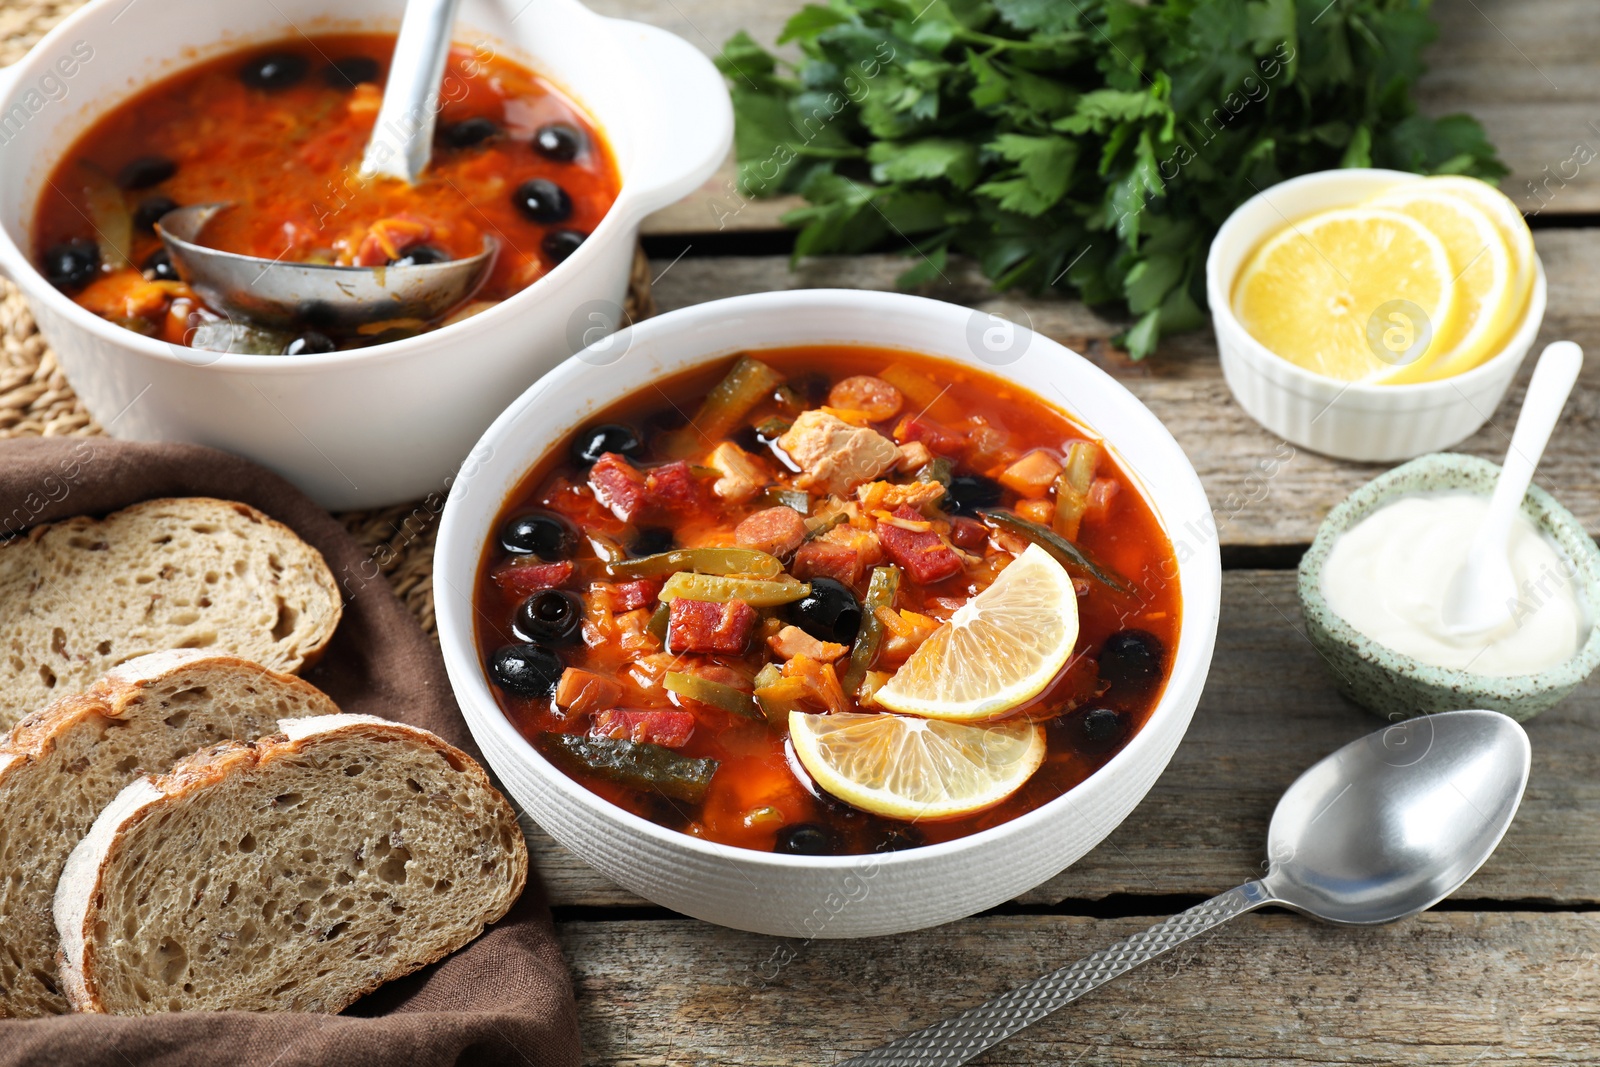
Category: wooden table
[1507,969]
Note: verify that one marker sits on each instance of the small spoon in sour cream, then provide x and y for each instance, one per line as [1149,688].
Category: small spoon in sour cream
[1480,596]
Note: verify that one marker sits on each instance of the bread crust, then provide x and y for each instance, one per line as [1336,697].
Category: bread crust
[78,894]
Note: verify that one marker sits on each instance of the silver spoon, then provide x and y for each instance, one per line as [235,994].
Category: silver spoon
[1480,595]
[1384,828]
[271,292]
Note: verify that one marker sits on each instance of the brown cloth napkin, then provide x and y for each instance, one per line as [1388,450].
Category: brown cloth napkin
[504,999]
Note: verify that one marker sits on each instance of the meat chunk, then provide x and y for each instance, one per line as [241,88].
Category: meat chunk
[521,578]
[580,691]
[835,455]
[630,492]
[873,397]
[743,475]
[791,641]
[707,626]
[886,496]
[631,596]
[923,553]
[935,436]
[843,553]
[667,727]
[969,534]
[914,455]
[778,531]
[1033,474]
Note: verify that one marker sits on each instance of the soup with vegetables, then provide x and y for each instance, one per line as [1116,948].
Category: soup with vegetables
[861,600]
[279,131]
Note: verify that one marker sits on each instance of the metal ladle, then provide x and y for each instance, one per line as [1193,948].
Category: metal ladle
[1384,828]
[272,292]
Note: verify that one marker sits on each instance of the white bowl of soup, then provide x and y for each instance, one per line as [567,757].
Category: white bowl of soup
[614,463]
[643,119]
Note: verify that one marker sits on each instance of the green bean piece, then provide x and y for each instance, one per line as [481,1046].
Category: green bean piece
[721,589]
[769,674]
[639,766]
[699,560]
[773,427]
[869,638]
[726,697]
[779,699]
[658,622]
[798,499]
[1069,554]
[746,385]
[1082,459]
[824,525]
[938,469]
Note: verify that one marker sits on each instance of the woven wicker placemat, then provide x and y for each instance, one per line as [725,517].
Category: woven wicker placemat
[36,399]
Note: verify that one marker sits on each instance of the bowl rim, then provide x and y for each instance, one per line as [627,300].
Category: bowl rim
[1197,629]
[18,264]
[1549,514]
[1223,319]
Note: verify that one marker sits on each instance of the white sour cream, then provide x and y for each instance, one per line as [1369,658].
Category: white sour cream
[1387,576]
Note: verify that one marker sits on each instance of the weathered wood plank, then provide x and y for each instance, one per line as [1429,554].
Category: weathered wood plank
[1269,712]
[1263,490]
[1523,69]
[1444,988]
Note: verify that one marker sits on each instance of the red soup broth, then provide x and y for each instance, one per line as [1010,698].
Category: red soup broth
[760,793]
[280,131]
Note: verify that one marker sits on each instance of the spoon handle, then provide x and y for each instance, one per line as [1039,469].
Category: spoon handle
[402,138]
[959,1038]
[1553,378]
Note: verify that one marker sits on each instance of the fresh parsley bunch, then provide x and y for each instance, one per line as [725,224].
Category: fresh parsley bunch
[1090,145]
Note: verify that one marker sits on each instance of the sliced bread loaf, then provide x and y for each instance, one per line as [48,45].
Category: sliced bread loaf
[295,873]
[61,766]
[79,597]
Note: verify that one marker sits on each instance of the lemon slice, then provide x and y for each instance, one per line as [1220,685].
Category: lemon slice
[910,768]
[1313,293]
[1484,277]
[999,649]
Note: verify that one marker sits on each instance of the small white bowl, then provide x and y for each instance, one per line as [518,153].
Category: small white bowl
[392,422]
[831,896]
[1348,420]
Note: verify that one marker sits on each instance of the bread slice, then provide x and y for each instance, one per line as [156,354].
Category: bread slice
[295,873]
[79,597]
[61,766]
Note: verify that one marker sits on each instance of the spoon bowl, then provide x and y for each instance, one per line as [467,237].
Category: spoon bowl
[275,293]
[1396,821]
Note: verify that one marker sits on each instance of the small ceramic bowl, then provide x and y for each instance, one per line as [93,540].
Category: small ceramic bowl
[1397,686]
[1349,420]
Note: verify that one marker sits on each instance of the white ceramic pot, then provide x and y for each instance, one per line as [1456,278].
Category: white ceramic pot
[843,896]
[393,422]
[1350,420]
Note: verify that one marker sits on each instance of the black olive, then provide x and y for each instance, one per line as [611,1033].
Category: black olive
[467,132]
[150,210]
[158,266]
[351,71]
[966,493]
[551,616]
[1131,659]
[274,71]
[830,612]
[72,264]
[652,539]
[541,200]
[812,385]
[559,244]
[310,343]
[559,142]
[806,839]
[420,256]
[1101,725]
[898,837]
[596,441]
[146,171]
[526,670]
[547,536]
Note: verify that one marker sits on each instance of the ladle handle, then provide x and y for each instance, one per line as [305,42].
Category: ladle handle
[959,1038]
[1553,378]
[402,138]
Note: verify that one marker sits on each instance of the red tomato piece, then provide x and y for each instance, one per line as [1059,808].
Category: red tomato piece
[526,578]
[631,596]
[668,727]
[707,626]
[924,555]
